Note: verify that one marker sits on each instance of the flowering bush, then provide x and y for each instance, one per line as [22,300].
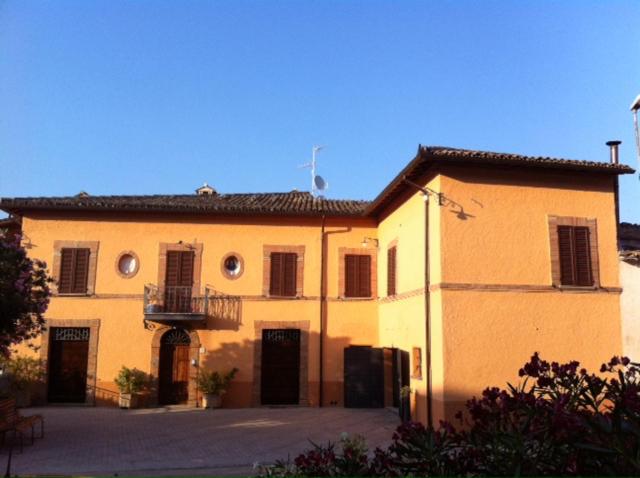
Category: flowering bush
[560,420]
[24,294]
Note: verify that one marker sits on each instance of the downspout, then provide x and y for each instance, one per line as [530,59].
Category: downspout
[427,311]
[614,158]
[322,314]
[427,296]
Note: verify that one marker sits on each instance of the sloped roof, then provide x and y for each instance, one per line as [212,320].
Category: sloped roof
[287,204]
[297,203]
[427,156]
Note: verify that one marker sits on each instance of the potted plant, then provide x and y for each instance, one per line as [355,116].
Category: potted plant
[154,304]
[213,385]
[130,381]
[24,375]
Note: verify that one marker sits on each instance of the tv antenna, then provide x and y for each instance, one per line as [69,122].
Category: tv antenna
[318,184]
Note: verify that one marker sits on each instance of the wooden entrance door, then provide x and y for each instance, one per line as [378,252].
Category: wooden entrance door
[68,357]
[178,281]
[280,382]
[174,368]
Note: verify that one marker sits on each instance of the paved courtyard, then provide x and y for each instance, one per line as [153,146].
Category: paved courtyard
[171,441]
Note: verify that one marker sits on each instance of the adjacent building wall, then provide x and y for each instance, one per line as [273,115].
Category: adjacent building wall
[630,306]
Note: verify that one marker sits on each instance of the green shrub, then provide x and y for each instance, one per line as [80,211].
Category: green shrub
[215,383]
[131,380]
[23,372]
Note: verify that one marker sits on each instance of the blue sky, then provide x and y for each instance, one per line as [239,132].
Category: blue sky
[148,97]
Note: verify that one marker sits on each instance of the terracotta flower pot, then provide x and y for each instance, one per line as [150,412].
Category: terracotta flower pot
[210,400]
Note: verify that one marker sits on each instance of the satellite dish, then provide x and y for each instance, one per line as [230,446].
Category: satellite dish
[319,183]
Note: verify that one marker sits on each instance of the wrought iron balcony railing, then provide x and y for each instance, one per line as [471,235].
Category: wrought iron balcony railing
[174,300]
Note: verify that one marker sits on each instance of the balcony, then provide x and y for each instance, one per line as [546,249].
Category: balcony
[174,304]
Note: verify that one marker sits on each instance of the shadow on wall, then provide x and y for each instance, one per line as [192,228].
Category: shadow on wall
[225,312]
[241,354]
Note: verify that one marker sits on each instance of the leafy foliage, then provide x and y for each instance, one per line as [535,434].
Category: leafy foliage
[23,372]
[131,380]
[214,382]
[24,294]
[560,420]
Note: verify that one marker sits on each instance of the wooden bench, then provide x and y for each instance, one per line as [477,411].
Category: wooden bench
[12,421]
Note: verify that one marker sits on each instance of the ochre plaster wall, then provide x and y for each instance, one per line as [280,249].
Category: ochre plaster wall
[118,301]
[498,306]
[402,317]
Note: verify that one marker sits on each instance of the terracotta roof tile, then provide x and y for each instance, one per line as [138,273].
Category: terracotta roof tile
[428,156]
[287,204]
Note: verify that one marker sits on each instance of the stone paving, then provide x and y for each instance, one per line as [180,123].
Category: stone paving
[176,440]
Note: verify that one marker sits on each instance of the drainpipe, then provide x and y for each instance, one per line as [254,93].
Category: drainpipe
[614,158]
[427,298]
[322,314]
[427,311]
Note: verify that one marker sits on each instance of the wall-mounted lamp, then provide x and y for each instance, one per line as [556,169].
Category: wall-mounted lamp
[365,242]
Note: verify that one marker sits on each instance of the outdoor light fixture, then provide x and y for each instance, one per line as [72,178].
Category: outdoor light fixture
[366,240]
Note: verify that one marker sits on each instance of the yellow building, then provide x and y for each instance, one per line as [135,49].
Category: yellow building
[446,283]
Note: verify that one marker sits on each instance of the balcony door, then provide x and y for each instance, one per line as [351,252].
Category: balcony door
[178,281]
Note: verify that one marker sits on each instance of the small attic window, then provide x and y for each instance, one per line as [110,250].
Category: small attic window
[205,190]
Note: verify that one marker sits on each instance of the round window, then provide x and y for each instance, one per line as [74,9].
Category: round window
[127,265]
[232,266]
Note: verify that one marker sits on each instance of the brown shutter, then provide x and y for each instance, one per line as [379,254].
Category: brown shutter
[81,271]
[350,275]
[290,263]
[172,275]
[565,253]
[186,268]
[391,271]
[65,281]
[364,276]
[276,279]
[582,256]
[575,256]
[74,271]
[357,275]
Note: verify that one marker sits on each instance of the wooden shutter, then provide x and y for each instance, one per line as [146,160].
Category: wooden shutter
[172,274]
[350,276]
[391,271]
[565,252]
[290,261]
[74,271]
[574,256]
[357,275]
[275,284]
[582,256]
[364,276]
[81,269]
[283,274]
[186,268]
[417,362]
[179,272]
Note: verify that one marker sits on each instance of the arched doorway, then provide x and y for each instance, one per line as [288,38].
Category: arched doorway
[173,373]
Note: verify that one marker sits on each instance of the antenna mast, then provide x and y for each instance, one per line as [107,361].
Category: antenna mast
[318,184]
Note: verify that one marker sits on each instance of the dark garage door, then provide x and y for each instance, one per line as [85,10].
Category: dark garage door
[363,377]
[280,383]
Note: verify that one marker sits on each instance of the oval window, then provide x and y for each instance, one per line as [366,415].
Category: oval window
[232,266]
[127,264]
